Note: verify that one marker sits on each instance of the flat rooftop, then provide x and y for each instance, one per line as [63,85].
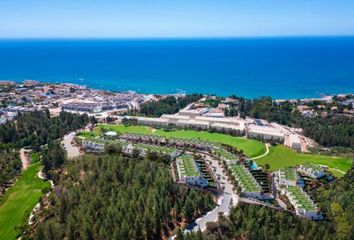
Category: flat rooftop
[288,173]
[265,130]
[245,179]
[187,166]
[302,200]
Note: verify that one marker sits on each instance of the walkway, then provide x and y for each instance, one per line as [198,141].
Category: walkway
[72,150]
[264,154]
[24,159]
[336,169]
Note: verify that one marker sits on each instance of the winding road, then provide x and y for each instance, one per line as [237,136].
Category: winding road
[72,150]
[227,199]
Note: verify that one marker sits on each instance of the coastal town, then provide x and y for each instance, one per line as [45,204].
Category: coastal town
[31,95]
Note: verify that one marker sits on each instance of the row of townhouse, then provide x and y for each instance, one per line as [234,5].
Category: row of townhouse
[171,142]
[285,177]
[189,171]
[93,145]
[312,170]
[249,186]
[93,107]
[286,180]
[303,204]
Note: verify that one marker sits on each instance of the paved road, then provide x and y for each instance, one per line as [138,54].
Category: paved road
[225,201]
[71,149]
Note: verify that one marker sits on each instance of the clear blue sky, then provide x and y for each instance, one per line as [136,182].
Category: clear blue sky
[174,18]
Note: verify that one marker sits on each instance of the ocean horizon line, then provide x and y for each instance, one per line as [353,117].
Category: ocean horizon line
[172,38]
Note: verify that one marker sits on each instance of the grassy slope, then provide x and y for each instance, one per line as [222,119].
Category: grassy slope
[250,147]
[19,201]
[281,156]
[278,157]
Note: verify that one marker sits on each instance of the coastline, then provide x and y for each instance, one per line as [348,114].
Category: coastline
[315,96]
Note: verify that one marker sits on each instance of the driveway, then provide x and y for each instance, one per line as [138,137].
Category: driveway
[72,150]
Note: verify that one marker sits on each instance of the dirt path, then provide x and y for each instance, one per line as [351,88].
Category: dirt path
[24,159]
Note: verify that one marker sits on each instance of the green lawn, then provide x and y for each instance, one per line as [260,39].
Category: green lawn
[35,157]
[125,129]
[19,201]
[281,156]
[250,147]
[278,157]
[88,134]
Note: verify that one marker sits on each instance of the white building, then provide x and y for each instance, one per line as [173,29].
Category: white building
[193,112]
[265,132]
[189,172]
[211,120]
[229,127]
[312,170]
[155,122]
[173,118]
[192,124]
[286,177]
[294,141]
[92,145]
[249,186]
[302,203]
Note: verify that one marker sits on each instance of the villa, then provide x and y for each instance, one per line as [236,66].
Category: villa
[93,145]
[189,172]
[312,170]
[249,186]
[302,203]
[286,177]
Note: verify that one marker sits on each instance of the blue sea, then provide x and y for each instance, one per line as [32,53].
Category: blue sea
[251,67]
